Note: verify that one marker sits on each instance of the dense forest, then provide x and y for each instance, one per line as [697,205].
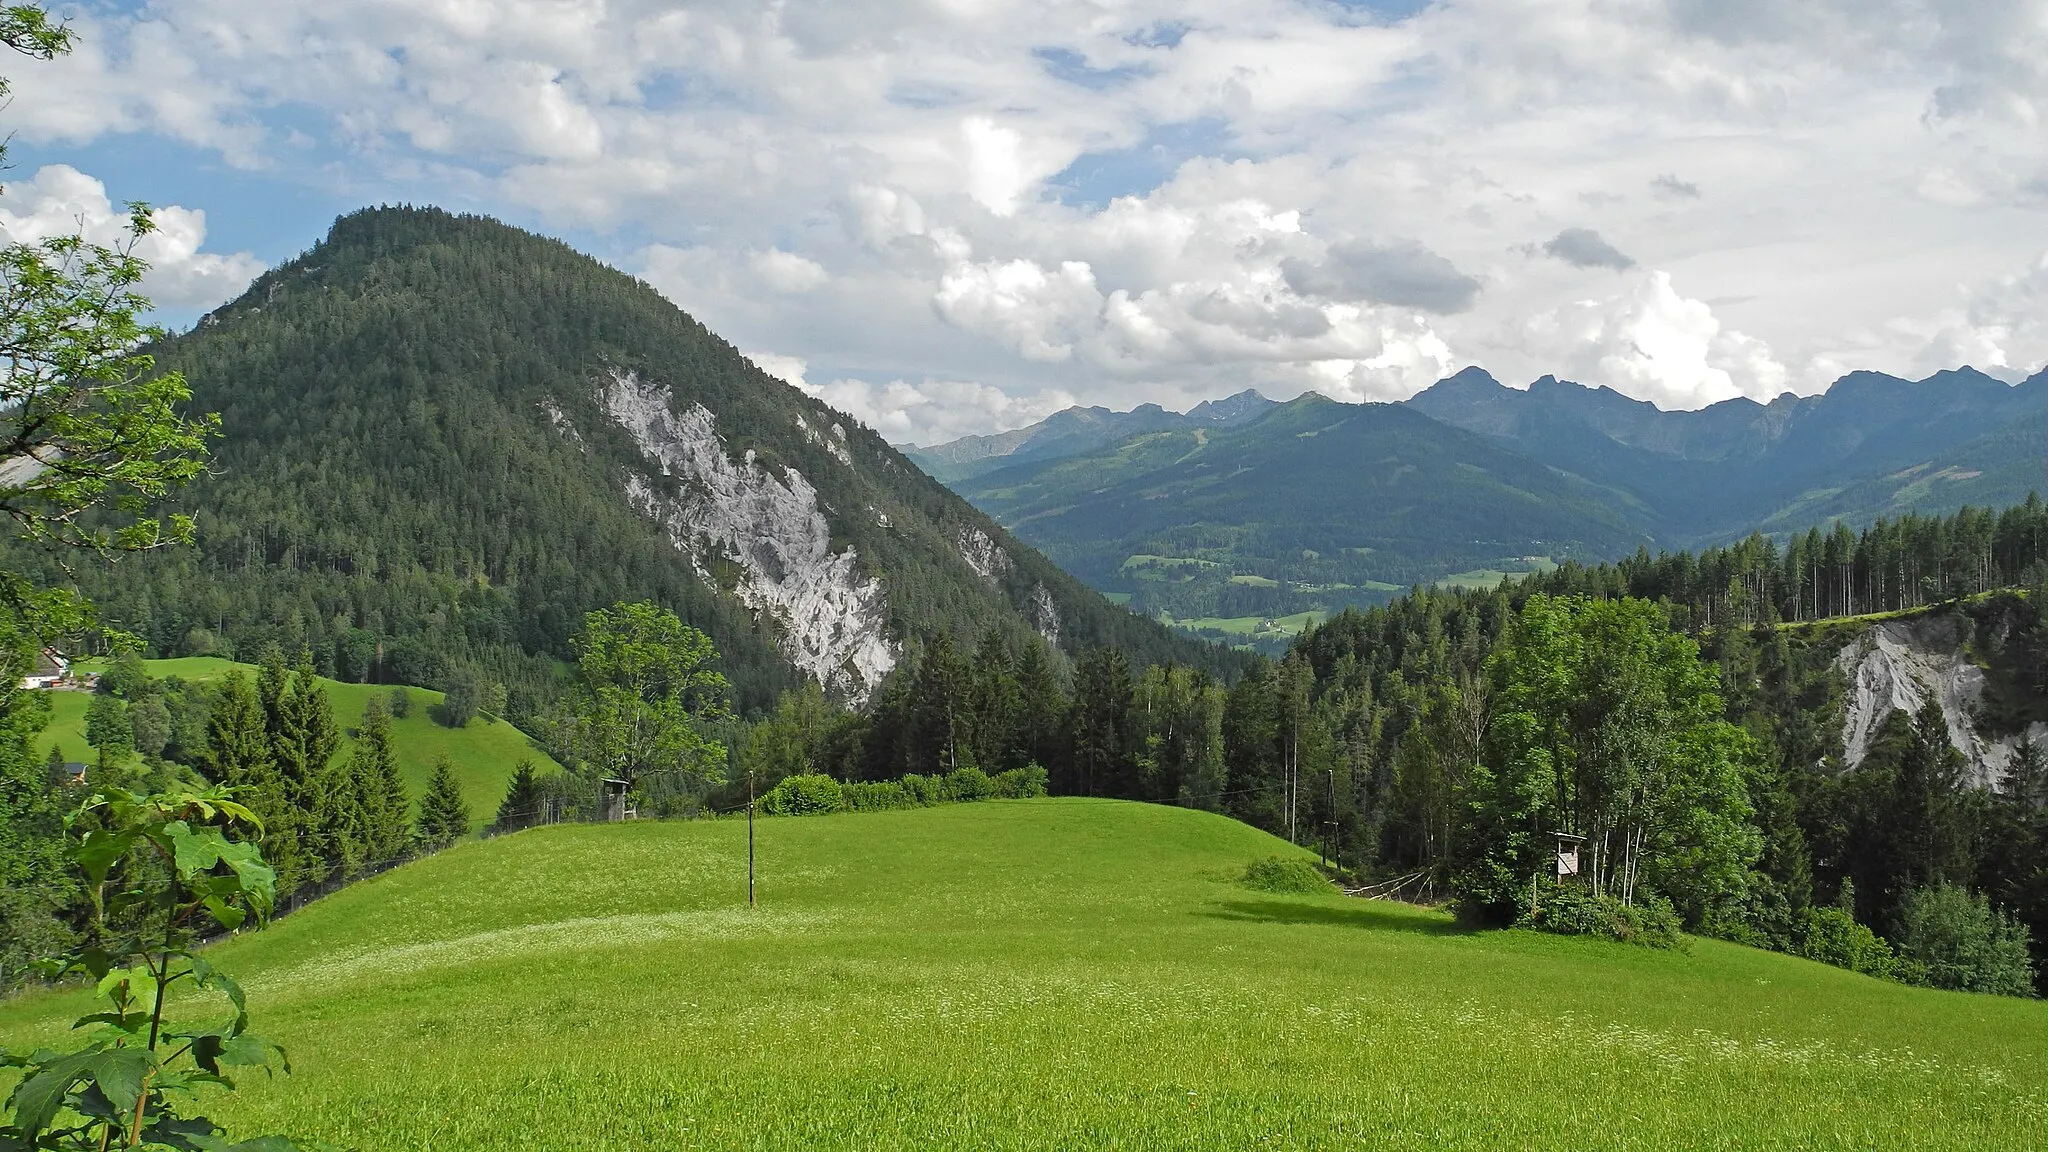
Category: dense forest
[415,480]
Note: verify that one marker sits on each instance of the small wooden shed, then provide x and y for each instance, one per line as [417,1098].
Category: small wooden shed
[1567,854]
[614,805]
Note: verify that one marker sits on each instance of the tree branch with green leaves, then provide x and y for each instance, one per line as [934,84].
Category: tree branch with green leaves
[159,872]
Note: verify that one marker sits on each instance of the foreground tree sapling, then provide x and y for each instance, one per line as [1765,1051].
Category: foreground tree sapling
[158,871]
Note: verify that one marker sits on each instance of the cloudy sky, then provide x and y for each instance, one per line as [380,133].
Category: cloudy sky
[953,216]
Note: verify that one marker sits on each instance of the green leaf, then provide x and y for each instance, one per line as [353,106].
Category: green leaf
[120,1074]
[100,849]
[229,915]
[194,850]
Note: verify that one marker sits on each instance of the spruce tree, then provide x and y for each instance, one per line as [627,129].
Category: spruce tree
[521,805]
[1104,743]
[374,779]
[238,754]
[444,817]
[303,740]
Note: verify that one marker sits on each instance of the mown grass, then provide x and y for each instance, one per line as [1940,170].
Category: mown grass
[1053,974]
[484,752]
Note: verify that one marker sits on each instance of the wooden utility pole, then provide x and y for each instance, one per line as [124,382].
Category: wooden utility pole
[750,837]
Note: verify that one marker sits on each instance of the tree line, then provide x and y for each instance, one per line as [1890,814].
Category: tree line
[1663,715]
[1903,563]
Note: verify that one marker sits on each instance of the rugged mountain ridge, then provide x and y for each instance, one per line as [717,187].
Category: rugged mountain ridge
[1728,467]
[1611,474]
[447,439]
[1074,431]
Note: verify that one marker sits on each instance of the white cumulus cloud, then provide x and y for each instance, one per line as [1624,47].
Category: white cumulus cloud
[62,201]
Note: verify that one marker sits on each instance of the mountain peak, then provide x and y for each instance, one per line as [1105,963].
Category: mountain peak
[1231,409]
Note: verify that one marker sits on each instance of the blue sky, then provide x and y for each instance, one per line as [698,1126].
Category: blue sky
[953,216]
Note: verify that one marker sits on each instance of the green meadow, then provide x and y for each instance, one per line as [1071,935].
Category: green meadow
[484,752]
[1062,973]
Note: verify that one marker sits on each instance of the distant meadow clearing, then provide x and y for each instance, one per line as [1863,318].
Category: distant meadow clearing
[1046,974]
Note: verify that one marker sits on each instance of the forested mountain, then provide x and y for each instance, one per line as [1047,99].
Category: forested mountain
[1073,431]
[1309,522]
[445,440]
[1342,498]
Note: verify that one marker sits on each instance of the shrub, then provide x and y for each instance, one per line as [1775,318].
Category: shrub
[1963,943]
[804,795]
[922,790]
[1575,910]
[875,797]
[1274,874]
[968,783]
[1832,936]
[1020,783]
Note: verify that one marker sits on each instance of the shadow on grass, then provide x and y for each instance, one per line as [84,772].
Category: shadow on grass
[1360,915]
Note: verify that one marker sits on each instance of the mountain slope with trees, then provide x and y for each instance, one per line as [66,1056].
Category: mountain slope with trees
[445,440]
[1607,474]
[1351,501]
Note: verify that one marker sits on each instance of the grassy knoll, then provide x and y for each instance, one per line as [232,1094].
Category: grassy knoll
[1054,974]
[483,753]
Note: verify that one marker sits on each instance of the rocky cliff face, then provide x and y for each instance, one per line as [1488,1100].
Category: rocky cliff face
[830,614]
[1900,665]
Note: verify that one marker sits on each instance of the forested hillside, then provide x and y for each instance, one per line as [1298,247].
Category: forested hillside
[445,440]
[1311,502]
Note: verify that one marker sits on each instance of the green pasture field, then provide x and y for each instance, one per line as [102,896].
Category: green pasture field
[1252,626]
[1052,974]
[483,753]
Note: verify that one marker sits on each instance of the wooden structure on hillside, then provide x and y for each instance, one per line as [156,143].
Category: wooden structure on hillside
[1567,854]
[614,801]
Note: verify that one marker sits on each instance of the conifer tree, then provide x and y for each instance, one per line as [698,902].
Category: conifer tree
[303,740]
[1041,704]
[522,800]
[992,705]
[444,816]
[238,754]
[374,779]
[1104,741]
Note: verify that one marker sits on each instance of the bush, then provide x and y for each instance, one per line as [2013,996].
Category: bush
[1832,936]
[1575,910]
[1274,874]
[804,795]
[1963,943]
[875,797]
[922,790]
[1020,783]
[968,784]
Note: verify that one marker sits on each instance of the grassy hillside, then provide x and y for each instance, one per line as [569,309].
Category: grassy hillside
[1053,974]
[483,753]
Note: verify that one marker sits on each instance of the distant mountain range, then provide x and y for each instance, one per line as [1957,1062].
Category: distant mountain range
[1073,431]
[1738,465]
[1246,508]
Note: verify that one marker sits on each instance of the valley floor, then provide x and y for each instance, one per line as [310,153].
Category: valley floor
[1053,974]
